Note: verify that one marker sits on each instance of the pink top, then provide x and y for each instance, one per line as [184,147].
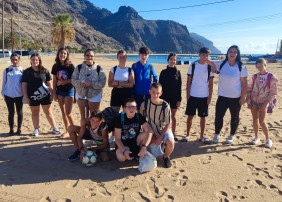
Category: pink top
[262,92]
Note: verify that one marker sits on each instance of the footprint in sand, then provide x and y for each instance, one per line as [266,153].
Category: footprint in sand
[274,188]
[63,200]
[119,198]
[257,171]
[154,190]
[103,190]
[222,196]
[72,185]
[182,181]
[205,160]
[140,197]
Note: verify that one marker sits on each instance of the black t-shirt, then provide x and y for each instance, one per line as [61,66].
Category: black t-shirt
[130,129]
[37,86]
[63,73]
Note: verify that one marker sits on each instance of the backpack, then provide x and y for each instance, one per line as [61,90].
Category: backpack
[151,72]
[193,70]
[223,63]
[98,69]
[164,106]
[272,103]
[129,71]
[110,115]
[122,114]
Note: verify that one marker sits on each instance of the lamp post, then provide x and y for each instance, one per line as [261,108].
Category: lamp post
[3,43]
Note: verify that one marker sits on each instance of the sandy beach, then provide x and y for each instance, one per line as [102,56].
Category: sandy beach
[37,169]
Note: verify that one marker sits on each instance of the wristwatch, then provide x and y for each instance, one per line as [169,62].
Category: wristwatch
[144,145]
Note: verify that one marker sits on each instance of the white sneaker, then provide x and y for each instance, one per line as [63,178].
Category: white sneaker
[230,139]
[268,143]
[56,130]
[216,138]
[256,140]
[35,132]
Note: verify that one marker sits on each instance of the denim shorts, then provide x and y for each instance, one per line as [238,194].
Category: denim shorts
[156,150]
[256,104]
[69,93]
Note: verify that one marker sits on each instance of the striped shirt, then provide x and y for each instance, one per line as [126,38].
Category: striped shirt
[157,115]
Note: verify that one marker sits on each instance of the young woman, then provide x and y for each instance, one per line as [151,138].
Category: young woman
[63,89]
[232,91]
[121,79]
[37,90]
[170,79]
[89,79]
[261,90]
[95,129]
[12,92]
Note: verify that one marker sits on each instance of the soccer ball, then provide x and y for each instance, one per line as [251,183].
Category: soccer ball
[89,159]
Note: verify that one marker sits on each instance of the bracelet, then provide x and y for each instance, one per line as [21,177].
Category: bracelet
[144,145]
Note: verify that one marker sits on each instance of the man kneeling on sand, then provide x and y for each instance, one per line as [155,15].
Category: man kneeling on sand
[131,142]
[158,114]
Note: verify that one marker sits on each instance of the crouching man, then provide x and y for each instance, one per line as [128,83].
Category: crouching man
[131,142]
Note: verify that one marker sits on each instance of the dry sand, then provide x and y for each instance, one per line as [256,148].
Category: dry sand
[36,168]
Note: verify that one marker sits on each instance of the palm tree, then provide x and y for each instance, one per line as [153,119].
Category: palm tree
[62,30]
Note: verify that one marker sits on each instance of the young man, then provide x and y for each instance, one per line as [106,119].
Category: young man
[144,74]
[158,114]
[199,92]
[130,141]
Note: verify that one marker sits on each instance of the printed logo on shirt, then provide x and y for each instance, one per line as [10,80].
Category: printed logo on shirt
[62,75]
[130,134]
[41,92]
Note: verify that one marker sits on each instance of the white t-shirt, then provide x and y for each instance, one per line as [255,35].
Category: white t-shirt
[262,80]
[229,82]
[121,75]
[200,84]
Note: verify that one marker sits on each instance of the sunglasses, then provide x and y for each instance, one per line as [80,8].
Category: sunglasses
[131,107]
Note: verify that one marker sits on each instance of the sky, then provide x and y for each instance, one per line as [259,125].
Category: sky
[254,25]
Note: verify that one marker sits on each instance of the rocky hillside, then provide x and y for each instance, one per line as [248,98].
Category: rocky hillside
[99,28]
[206,43]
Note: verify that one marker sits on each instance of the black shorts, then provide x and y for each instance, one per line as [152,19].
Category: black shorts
[133,147]
[171,101]
[200,104]
[119,95]
[140,98]
[43,101]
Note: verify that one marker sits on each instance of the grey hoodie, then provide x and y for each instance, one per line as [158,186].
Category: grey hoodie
[89,73]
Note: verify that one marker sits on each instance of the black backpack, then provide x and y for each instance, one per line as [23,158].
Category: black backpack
[193,70]
[129,71]
[98,69]
[110,115]
[223,63]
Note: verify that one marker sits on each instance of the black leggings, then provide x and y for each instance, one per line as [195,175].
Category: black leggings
[222,104]
[10,102]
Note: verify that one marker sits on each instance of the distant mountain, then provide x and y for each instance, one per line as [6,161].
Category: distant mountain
[99,28]
[205,42]
[132,31]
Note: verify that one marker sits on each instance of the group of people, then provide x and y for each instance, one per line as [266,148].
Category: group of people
[148,120]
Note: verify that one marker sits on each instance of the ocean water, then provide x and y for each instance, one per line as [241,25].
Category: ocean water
[159,59]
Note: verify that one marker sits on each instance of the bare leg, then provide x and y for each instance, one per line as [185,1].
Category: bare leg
[93,106]
[255,115]
[61,101]
[49,115]
[189,124]
[35,115]
[174,120]
[169,147]
[73,131]
[203,126]
[262,112]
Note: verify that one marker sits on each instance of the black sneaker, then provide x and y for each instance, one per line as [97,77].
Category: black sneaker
[75,156]
[167,163]
[18,132]
[11,132]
